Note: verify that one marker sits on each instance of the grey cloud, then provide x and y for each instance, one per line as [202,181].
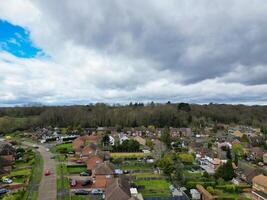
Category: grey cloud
[230,33]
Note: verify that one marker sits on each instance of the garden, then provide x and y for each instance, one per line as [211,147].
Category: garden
[145,177]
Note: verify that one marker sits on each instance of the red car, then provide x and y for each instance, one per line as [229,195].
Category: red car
[73,183]
[47,172]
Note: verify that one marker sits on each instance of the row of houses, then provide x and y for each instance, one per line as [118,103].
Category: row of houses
[102,170]
[7,157]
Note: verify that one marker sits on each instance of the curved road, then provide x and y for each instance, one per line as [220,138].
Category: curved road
[48,186]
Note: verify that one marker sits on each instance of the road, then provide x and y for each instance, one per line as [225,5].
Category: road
[48,186]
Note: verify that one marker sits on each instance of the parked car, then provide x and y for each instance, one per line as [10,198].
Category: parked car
[82,192]
[79,161]
[126,171]
[73,183]
[7,180]
[47,172]
[85,174]
[4,191]
[96,191]
[87,182]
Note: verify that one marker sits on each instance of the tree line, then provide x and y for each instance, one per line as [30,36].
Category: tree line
[131,115]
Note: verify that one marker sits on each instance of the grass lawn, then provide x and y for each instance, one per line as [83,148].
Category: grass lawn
[19,179]
[229,196]
[68,146]
[193,176]
[135,167]
[154,188]
[20,172]
[128,155]
[74,169]
[145,175]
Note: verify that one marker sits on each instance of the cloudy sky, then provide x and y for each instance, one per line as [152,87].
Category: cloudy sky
[78,52]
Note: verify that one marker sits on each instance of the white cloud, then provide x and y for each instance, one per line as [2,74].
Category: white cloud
[127,51]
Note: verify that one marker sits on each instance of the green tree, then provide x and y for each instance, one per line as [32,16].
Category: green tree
[105,140]
[177,176]
[149,143]
[238,149]
[225,171]
[186,158]
[166,163]
[166,137]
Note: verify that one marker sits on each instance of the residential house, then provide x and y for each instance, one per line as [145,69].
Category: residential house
[186,132]
[123,137]
[256,153]
[111,140]
[259,187]
[93,161]
[174,132]
[118,189]
[7,156]
[88,150]
[246,172]
[79,143]
[237,134]
[103,173]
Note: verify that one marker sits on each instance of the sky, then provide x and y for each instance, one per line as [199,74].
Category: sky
[78,52]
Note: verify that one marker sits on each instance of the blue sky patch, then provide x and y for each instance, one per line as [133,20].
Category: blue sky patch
[15,40]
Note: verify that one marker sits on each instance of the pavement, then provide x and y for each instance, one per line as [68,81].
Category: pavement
[47,188]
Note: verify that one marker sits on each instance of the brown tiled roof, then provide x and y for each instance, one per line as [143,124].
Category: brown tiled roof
[260,180]
[101,181]
[237,133]
[248,171]
[105,168]
[93,161]
[77,144]
[8,158]
[91,138]
[118,189]
[6,148]
[86,151]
